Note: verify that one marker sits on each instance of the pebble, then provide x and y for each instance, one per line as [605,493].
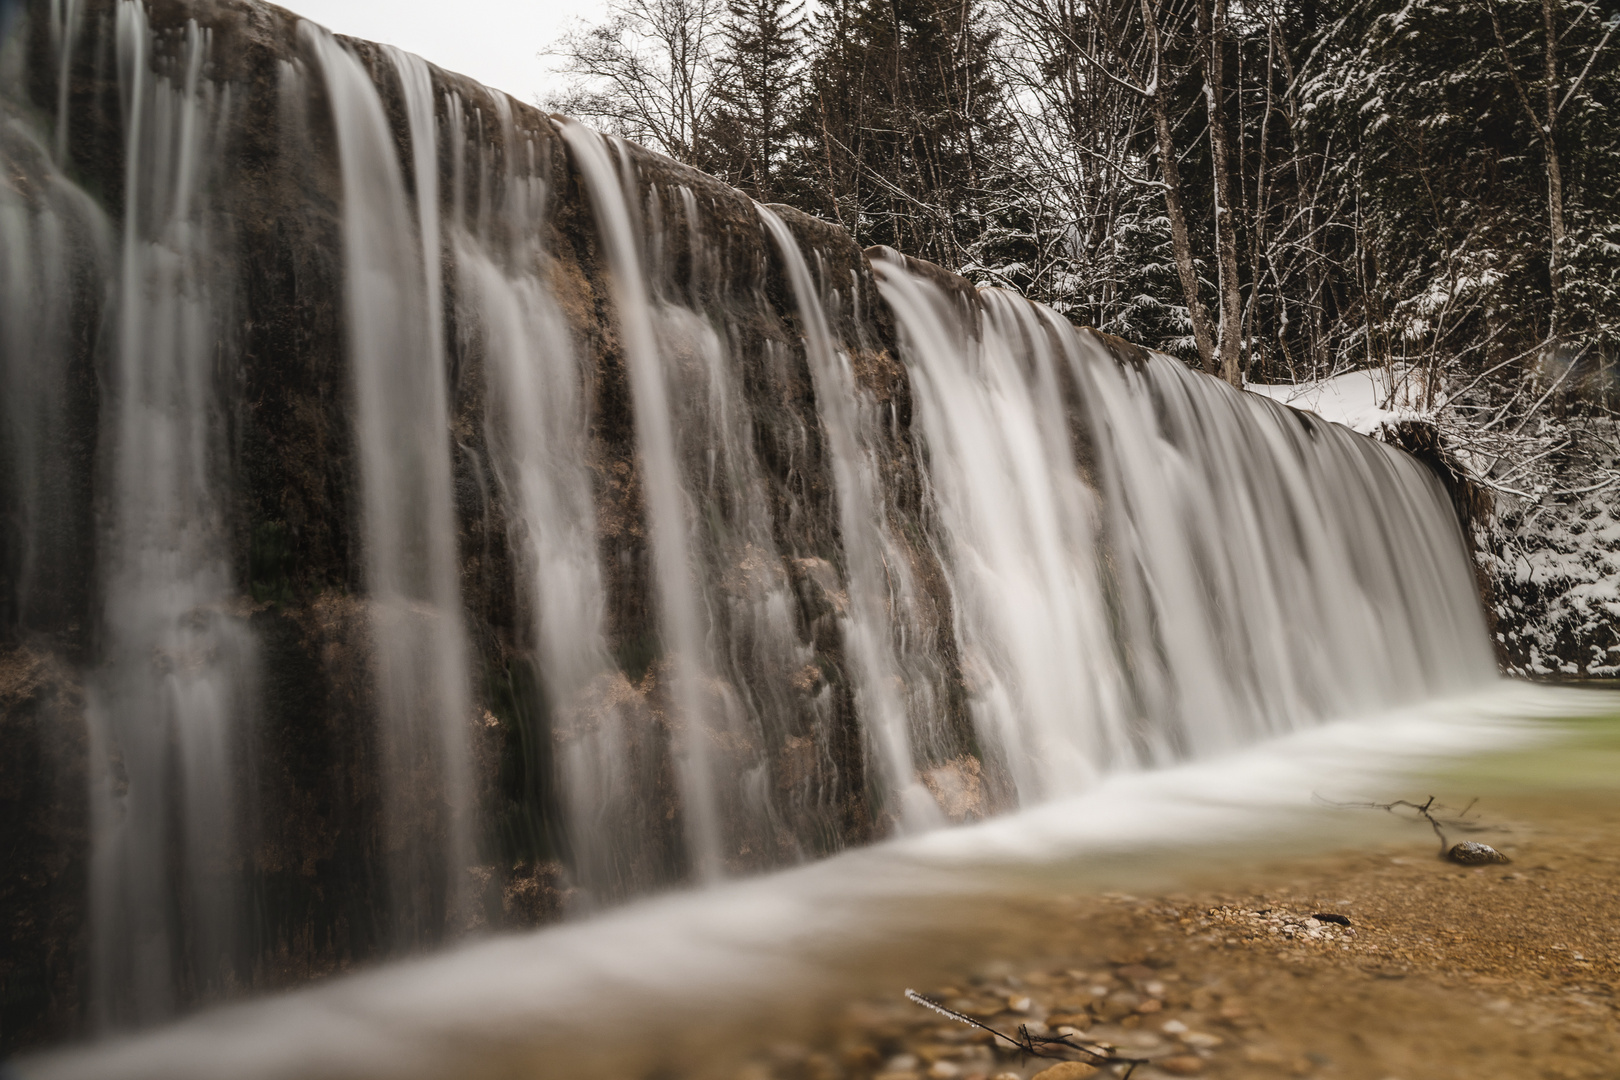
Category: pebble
[1117,1004]
[1181,1065]
[861,1057]
[942,1070]
[1173,1027]
[1066,1070]
[1473,853]
[1201,1040]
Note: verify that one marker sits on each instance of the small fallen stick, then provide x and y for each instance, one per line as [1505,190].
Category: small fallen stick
[1467,853]
[1035,1045]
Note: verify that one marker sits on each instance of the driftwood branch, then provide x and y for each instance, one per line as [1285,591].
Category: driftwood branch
[1469,853]
[1042,1046]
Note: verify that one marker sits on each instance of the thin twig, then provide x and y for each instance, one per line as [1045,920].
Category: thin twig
[1035,1045]
[1424,809]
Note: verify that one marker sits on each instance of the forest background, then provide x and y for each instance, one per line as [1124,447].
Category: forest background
[1274,192]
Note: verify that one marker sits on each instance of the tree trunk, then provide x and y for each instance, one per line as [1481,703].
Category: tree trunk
[1174,208]
[1229,340]
[1546,127]
[1555,179]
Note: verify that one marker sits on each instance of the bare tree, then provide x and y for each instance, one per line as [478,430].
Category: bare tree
[1212,30]
[1090,83]
[1072,125]
[1545,124]
[1175,205]
[647,72]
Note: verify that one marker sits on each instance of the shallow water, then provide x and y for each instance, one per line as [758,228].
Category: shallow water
[694,983]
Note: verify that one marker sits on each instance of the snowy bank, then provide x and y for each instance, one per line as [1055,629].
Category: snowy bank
[1370,401]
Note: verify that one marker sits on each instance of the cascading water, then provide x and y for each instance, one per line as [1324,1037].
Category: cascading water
[494,520]
[1018,524]
[55,286]
[667,512]
[402,423]
[1241,574]
[166,704]
[537,431]
[868,547]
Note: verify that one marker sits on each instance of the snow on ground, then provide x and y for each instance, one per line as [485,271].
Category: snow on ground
[1363,401]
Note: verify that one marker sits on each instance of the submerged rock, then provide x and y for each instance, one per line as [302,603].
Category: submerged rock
[1473,853]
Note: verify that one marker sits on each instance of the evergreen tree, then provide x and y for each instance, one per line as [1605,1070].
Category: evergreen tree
[758,88]
[902,120]
[1480,228]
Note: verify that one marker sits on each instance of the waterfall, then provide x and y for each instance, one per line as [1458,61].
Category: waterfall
[1018,524]
[538,436]
[667,512]
[396,349]
[738,683]
[869,549]
[434,516]
[1192,569]
[166,705]
[56,260]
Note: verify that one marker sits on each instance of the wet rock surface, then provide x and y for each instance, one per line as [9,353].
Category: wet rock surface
[315,864]
[1473,853]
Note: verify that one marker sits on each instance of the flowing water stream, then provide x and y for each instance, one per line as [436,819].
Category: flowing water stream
[176,683]
[396,348]
[672,538]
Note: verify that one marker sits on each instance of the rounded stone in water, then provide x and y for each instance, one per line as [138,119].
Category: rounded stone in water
[1473,853]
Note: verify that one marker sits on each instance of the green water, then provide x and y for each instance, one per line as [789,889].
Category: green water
[1583,754]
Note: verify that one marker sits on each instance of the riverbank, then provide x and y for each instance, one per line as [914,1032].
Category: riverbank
[1442,971]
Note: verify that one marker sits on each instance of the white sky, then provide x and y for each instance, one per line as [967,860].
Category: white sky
[494,41]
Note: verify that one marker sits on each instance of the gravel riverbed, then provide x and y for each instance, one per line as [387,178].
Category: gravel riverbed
[1420,969]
